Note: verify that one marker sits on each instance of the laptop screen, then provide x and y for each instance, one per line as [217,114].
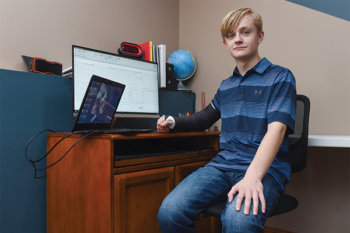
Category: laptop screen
[99,104]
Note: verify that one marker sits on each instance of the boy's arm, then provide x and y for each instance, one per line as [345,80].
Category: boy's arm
[250,187]
[197,122]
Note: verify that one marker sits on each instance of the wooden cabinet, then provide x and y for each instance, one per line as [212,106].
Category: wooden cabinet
[116,183]
[138,196]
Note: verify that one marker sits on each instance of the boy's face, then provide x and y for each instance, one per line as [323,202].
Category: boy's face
[243,43]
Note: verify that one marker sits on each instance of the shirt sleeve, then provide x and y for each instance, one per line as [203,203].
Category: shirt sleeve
[282,102]
[216,101]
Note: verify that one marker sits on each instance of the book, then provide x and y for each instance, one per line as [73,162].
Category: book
[147,48]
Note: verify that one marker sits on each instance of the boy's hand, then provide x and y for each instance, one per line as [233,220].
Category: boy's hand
[248,189]
[163,125]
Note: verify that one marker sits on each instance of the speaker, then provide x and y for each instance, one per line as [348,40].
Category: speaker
[171,82]
[40,65]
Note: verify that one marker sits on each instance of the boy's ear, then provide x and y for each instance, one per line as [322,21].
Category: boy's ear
[261,36]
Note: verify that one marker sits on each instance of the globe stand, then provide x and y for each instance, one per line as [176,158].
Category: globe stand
[181,86]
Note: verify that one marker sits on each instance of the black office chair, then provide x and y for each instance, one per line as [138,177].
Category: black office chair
[297,157]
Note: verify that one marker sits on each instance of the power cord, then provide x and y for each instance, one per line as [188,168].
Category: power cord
[33,162]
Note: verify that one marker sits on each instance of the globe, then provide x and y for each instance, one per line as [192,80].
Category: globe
[184,66]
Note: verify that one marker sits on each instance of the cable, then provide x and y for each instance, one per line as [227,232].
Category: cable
[30,140]
[47,153]
[85,136]
[33,162]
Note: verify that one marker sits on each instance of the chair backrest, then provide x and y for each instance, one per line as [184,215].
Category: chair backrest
[299,139]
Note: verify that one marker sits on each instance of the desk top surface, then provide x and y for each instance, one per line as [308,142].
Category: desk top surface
[314,140]
[138,135]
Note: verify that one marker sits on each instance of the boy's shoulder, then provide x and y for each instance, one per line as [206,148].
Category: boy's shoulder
[227,83]
[279,73]
[278,69]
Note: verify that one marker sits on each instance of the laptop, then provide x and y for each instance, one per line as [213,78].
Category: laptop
[98,107]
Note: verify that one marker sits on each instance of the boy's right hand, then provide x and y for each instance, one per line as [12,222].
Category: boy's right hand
[163,125]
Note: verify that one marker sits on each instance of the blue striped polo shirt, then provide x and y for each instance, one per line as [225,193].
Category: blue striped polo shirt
[247,104]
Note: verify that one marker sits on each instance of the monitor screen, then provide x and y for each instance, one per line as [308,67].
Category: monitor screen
[141,94]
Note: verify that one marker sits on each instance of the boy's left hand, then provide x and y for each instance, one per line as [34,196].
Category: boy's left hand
[248,189]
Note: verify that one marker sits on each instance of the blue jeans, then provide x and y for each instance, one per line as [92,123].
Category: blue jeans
[181,208]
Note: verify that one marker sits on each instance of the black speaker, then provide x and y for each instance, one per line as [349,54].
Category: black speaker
[171,82]
[40,65]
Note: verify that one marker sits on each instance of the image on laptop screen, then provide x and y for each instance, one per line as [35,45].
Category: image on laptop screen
[100,103]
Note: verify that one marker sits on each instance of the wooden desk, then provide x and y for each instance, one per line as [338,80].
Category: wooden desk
[89,191]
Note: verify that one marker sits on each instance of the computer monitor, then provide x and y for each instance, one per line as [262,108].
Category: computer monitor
[141,95]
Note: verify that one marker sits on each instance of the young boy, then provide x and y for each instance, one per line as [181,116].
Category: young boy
[257,108]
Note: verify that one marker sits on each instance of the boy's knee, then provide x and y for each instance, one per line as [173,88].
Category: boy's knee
[175,212]
[169,212]
[234,221]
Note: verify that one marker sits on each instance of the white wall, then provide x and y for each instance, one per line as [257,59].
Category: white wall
[48,28]
[313,45]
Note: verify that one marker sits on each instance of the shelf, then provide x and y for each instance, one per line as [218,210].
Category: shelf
[329,141]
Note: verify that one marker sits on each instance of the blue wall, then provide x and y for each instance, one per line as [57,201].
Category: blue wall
[29,103]
[337,8]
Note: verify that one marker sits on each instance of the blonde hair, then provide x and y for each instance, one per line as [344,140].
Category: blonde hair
[234,17]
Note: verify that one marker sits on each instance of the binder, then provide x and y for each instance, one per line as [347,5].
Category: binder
[147,48]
